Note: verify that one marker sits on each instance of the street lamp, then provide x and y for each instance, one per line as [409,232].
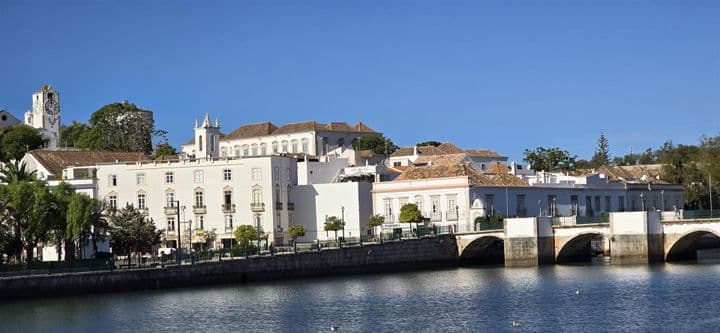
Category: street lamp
[662,197]
[179,249]
[342,219]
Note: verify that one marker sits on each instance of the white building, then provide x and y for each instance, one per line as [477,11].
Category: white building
[45,114]
[263,139]
[408,156]
[456,194]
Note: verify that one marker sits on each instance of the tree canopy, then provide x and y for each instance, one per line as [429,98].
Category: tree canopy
[164,149]
[549,159]
[297,230]
[333,223]
[131,231]
[602,152]
[70,134]
[244,234]
[17,140]
[429,143]
[377,143]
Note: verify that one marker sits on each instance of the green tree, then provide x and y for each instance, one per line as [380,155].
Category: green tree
[244,234]
[80,216]
[70,134]
[549,159]
[429,143]
[30,213]
[18,140]
[378,144]
[91,140]
[602,153]
[131,231]
[164,149]
[333,223]
[16,172]
[375,221]
[61,196]
[297,230]
[122,127]
[409,213]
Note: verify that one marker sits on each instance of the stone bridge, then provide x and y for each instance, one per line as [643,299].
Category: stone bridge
[628,237]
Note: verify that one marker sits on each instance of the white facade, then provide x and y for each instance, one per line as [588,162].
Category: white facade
[45,114]
[348,201]
[215,195]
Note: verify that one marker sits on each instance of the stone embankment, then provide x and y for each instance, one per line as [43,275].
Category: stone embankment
[373,258]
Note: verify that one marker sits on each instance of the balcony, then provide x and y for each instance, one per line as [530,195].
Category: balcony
[278,205]
[291,206]
[228,208]
[451,215]
[257,207]
[200,209]
[170,210]
[435,217]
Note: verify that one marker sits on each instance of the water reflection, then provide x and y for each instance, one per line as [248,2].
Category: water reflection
[570,298]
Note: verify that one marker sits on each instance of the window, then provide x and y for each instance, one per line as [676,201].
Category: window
[112,201]
[141,201]
[288,193]
[256,174]
[200,143]
[397,164]
[257,196]
[169,177]
[277,192]
[435,204]
[419,203]
[276,172]
[520,210]
[287,174]
[621,203]
[227,197]
[341,142]
[170,199]
[294,146]
[387,204]
[588,206]
[212,143]
[198,176]
[223,151]
[552,205]
[490,203]
[597,203]
[607,203]
[452,204]
[113,180]
[227,175]
[305,146]
[246,150]
[201,221]
[284,146]
[228,223]
[254,149]
[171,224]
[237,151]
[573,205]
[274,147]
[263,149]
[140,179]
[199,199]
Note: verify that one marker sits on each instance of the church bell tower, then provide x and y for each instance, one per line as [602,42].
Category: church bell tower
[45,115]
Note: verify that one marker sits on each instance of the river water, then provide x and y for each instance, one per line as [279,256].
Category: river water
[670,297]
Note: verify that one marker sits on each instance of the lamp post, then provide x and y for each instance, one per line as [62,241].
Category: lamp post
[179,249]
[662,197]
[342,219]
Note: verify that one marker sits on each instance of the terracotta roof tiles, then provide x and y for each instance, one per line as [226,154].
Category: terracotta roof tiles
[57,160]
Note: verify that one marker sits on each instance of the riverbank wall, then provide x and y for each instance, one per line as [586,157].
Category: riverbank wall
[406,255]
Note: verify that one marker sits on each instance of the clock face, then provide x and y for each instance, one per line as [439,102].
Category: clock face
[51,107]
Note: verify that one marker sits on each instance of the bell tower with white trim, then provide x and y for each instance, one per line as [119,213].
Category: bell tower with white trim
[45,114]
[207,139]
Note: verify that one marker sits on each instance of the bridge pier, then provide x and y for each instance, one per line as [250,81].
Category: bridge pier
[636,237]
[529,241]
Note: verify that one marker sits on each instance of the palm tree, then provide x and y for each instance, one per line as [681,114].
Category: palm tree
[16,172]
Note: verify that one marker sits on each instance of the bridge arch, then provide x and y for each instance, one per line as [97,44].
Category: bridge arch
[685,246]
[577,248]
[485,250]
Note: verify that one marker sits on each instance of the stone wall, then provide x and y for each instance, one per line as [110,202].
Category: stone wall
[392,256]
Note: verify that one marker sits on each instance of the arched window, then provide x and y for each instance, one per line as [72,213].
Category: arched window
[275,147]
[305,146]
[263,149]
[200,144]
[170,199]
[257,196]
[254,149]
[294,146]
[246,150]
[284,146]
[141,200]
[199,198]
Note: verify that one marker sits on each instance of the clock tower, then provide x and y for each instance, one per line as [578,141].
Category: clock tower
[45,114]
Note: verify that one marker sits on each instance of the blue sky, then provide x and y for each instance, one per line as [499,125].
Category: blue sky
[504,75]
